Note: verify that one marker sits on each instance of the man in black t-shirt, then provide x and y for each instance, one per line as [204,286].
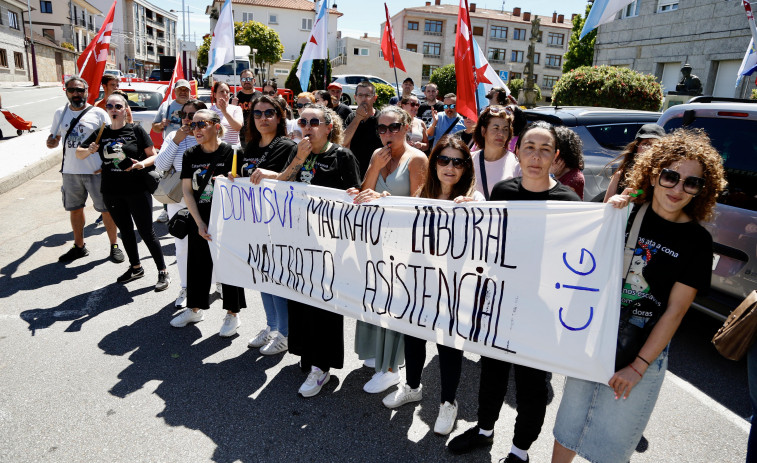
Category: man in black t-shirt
[344,111]
[362,126]
[425,109]
[244,99]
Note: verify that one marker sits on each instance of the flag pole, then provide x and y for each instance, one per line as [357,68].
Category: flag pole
[473,55]
[396,81]
[234,50]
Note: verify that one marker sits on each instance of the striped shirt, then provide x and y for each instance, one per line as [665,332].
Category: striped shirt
[172,154]
[230,136]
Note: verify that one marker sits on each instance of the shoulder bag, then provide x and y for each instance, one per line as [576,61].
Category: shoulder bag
[169,188]
[737,334]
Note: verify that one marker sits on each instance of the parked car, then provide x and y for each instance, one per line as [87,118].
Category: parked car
[604,133]
[115,72]
[730,123]
[154,75]
[349,84]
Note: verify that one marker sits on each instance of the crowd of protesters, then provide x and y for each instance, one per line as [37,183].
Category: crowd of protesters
[412,149]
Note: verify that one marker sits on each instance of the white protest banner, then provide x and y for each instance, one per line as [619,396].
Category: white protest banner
[534,283]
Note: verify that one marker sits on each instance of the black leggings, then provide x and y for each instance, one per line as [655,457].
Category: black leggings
[136,206]
[450,366]
[200,274]
[531,396]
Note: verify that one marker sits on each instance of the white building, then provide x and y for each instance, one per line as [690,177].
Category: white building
[364,56]
[13,60]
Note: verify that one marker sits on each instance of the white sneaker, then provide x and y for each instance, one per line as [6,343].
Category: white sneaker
[230,325]
[381,381]
[316,379]
[186,317]
[404,394]
[219,290]
[446,419]
[276,345]
[262,338]
[163,217]
[182,298]
[369,363]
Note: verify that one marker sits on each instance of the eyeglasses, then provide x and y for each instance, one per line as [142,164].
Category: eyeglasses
[118,106]
[200,125]
[247,79]
[413,104]
[394,127]
[691,185]
[457,163]
[76,90]
[184,115]
[314,122]
[449,106]
[270,93]
[497,111]
[268,113]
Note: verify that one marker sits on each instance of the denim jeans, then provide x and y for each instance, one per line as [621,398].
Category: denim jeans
[276,313]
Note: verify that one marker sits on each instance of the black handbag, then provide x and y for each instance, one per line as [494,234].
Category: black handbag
[182,222]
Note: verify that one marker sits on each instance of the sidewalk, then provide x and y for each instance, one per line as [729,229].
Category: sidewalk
[23,158]
[28,84]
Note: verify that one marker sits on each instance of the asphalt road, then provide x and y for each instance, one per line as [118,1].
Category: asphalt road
[90,370]
[31,104]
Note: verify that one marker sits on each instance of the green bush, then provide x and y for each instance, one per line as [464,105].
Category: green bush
[385,93]
[754,94]
[516,85]
[608,86]
[445,80]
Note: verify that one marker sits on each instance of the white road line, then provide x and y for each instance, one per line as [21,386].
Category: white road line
[31,102]
[708,402]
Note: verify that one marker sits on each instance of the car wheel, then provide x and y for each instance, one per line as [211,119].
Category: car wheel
[346,99]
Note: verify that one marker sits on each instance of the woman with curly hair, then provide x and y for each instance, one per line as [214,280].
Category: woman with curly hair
[677,180]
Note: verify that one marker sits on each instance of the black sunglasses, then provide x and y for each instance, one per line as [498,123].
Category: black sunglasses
[301,105]
[394,127]
[247,79]
[184,115]
[268,113]
[76,90]
[691,185]
[314,122]
[270,93]
[457,163]
[413,104]
[199,124]
[118,106]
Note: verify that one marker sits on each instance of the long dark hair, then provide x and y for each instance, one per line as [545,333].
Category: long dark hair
[539,125]
[252,133]
[571,147]
[467,183]
[325,96]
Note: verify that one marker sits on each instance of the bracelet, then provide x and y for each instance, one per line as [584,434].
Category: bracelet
[642,359]
[634,369]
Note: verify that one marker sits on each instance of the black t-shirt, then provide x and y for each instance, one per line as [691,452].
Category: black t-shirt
[273,157]
[195,165]
[365,141]
[336,168]
[424,112]
[512,190]
[665,253]
[245,102]
[119,149]
[344,112]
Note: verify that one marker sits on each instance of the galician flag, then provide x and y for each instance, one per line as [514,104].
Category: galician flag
[317,46]
[749,63]
[222,44]
[602,12]
[486,76]
[91,62]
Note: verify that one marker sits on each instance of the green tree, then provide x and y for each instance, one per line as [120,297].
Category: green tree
[608,86]
[317,78]
[384,93]
[255,35]
[580,52]
[516,85]
[202,51]
[445,80]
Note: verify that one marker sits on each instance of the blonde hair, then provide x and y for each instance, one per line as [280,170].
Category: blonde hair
[213,117]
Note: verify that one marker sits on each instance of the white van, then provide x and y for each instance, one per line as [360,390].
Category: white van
[227,73]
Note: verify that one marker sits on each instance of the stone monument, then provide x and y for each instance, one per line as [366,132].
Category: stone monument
[529,94]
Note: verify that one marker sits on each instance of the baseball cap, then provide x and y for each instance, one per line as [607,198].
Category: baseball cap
[335,85]
[182,83]
[650,131]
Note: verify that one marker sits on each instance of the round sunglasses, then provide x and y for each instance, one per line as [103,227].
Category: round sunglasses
[449,106]
[200,125]
[691,185]
[117,106]
[314,122]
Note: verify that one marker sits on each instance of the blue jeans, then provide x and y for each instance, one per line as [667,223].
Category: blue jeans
[276,313]
[751,363]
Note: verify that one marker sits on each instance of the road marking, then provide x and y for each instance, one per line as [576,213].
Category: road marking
[32,102]
[708,402]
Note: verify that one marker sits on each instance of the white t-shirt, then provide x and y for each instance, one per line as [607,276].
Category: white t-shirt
[230,136]
[504,168]
[169,110]
[88,124]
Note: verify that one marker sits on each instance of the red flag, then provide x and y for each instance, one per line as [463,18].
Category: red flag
[389,46]
[91,62]
[465,65]
[178,74]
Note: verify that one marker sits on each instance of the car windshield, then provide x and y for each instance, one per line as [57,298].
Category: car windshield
[739,153]
[142,100]
[614,136]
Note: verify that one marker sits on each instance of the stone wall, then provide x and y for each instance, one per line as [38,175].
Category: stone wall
[46,69]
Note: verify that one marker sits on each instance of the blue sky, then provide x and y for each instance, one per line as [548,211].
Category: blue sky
[366,16]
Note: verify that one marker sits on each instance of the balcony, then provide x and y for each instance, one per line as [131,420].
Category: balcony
[431,55]
[498,39]
[554,45]
[439,34]
[340,60]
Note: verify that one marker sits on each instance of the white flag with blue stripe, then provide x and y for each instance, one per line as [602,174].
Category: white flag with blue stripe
[222,45]
[602,12]
[317,46]
[749,63]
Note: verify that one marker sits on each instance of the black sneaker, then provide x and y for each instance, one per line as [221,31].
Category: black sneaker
[116,255]
[513,458]
[131,274]
[74,253]
[163,281]
[469,440]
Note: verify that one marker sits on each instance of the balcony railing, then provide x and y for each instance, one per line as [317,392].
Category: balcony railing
[552,66]
[340,60]
[431,55]
[432,33]
[494,60]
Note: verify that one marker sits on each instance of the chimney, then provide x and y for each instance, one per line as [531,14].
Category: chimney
[428,3]
[527,16]
[516,11]
[561,18]
[554,17]
[472,7]
[437,2]
[573,17]
[365,35]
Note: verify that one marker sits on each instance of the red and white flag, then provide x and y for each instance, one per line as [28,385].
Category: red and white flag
[91,62]
[389,46]
[465,65]
[178,74]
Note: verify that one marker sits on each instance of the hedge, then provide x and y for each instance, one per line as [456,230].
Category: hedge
[608,86]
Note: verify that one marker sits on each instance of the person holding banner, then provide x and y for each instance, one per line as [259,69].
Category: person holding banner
[232,117]
[396,169]
[416,136]
[675,183]
[536,150]
[201,163]
[494,162]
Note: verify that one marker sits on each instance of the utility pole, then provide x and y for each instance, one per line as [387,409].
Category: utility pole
[31,41]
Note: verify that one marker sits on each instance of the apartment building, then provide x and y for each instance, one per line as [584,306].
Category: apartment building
[13,60]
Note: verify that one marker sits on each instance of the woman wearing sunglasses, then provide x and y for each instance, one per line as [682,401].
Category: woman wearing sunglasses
[170,156]
[125,149]
[210,158]
[494,162]
[269,148]
[416,136]
[232,117]
[679,177]
[450,176]
[396,169]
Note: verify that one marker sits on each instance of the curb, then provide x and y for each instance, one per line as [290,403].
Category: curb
[27,173]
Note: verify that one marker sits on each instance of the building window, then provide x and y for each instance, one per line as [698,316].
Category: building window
[516,56]
[281,72]
[49,33]
[412,47]
[553,61]
[433,27]
[13,19]
[555,39]
[519,34]
[498,32]
[515,75]
[667,5]
[3,58]
[18,60]
[307,24]
[427,70]
[478,31]
[360,51]
[412,25]
[631,10]
[537,58]
[496,54]
[45,6]
[246,17]
[273,19]
[550,81]
[432,48]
